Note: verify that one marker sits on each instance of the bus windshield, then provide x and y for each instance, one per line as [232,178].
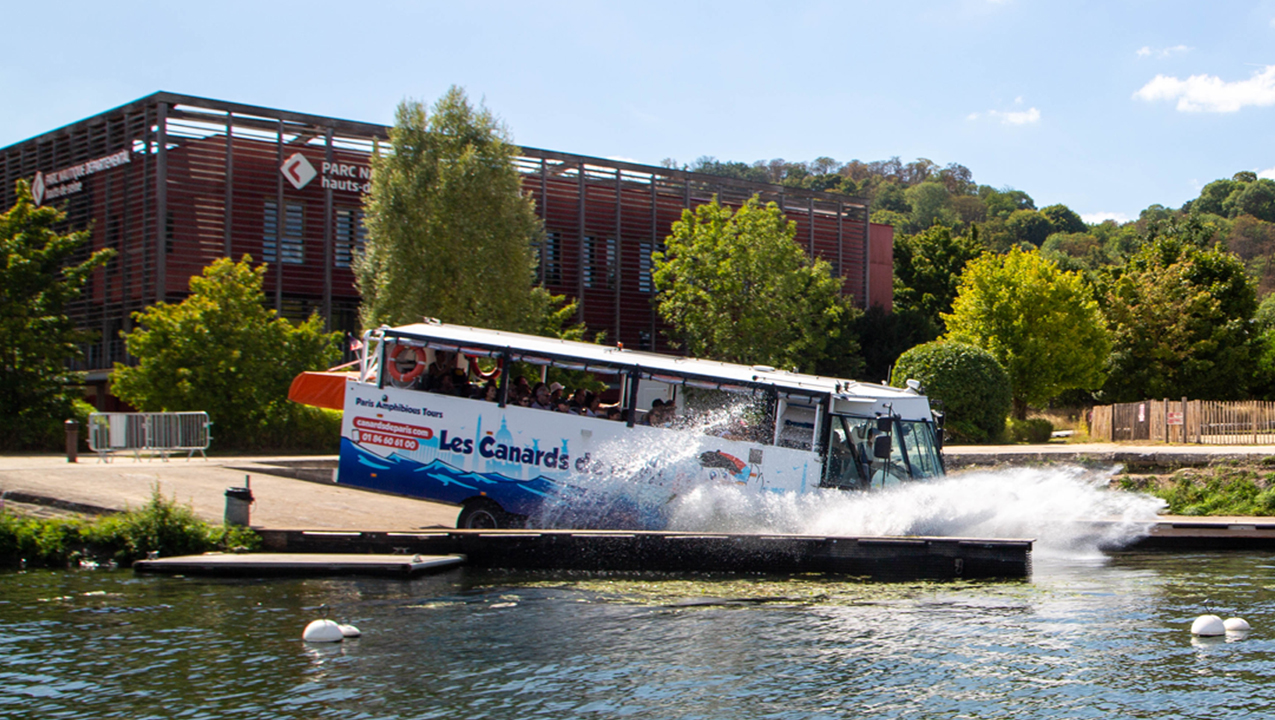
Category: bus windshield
[914,454]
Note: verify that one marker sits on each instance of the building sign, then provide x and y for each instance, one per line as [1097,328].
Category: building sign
[298,170]
[69,180]
[1174,418]
[343,177]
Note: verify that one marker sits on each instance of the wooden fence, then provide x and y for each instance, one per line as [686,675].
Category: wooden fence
[1205,422]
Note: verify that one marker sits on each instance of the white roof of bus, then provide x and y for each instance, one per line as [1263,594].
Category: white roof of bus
[597,356]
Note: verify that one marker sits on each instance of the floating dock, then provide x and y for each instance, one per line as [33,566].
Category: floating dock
[275,564]
[890,558]
[1209,533]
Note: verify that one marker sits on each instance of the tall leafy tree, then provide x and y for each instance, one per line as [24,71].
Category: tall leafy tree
[38,277]
[928,267]
[450,234]
[1063,219]
[931,204]
[737,287]
[1040,323]
[221,351]
[1179,316]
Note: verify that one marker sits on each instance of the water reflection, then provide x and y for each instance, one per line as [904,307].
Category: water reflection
[1105,637]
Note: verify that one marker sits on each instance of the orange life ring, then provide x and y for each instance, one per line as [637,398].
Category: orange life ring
[495,372]
[397,373]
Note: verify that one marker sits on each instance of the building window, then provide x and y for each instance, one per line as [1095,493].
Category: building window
[551,259]
[599,262]
[350,236]
[645,265]
[293,240]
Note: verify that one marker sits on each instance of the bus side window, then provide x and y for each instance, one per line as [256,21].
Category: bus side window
[797,428]
[842,467]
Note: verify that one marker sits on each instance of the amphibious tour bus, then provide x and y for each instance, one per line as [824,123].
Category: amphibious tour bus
[524,430]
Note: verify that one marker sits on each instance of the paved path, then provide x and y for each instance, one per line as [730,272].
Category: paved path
[281,502]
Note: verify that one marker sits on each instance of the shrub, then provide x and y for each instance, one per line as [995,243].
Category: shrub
[161,526]
[1032,430]
[302,429]
[971,387]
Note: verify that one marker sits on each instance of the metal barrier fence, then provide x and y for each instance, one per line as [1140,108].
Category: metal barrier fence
[1205,422]
[153,433]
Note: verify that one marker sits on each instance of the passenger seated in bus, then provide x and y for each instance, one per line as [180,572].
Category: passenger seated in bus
[660,414]
[488,391]
[443,364]
[555,392]
[541,398]
[615,413]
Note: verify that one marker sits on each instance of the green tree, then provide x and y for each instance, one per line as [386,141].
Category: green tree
[1063,219]
[970,387]
[1029,226]
[1075,251]
[928,267]
[884,336]
[891,196]
[1040,323]
[1257,199]
[1002,203]
[737,287]
[37,279]
[220,350]
[1211,197]
[450,234]
[930,203]
[1179,316]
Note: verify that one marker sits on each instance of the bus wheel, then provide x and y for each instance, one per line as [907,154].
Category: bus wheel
[482,514]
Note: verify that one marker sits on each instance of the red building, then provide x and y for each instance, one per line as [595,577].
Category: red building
[173,182]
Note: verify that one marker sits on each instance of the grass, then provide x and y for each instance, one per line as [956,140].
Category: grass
[161,526]
[1217,490]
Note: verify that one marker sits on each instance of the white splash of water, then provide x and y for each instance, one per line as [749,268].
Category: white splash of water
[628,480]
[1067,510]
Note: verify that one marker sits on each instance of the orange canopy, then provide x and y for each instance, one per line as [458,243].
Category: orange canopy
[320,389]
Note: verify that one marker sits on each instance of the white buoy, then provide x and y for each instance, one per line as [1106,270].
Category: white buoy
[323,631]
[1208,625]
[349,630]
[1236,625]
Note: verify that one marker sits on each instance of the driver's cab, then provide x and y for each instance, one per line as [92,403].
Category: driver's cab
[874,453]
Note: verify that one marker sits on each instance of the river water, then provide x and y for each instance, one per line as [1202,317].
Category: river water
[1089,634]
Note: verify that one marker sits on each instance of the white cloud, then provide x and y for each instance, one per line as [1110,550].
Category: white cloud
[1209,93]
[1148,51]
[1268,173]
[1018,117]
[1098,217]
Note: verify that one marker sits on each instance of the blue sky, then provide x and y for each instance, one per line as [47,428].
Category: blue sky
[1107,107]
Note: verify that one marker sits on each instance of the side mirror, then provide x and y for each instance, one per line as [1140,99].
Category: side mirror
[883,424]
[938,438]
[881,447]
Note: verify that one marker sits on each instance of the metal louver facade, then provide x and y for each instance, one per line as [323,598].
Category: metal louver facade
[173,182]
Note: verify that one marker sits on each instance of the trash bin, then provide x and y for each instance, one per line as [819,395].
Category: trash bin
[238,500]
